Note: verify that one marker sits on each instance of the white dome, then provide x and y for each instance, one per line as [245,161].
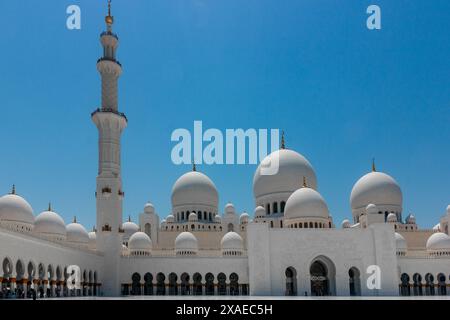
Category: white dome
[400,242]
[229,208]
[129,228]
[306,203]
[149,208]
[371,209]
[194,188]
[186,241]
[76,233]
[193,216]
[437,227]
[170,218]
[410,219]
[292,167]
[218,218]
[244,218]
[14,208]
[50,223]
[438,241]
[346,224]
[260,212]
[392,217]
[232,241]
[377,188]
[140,241]
[92,239]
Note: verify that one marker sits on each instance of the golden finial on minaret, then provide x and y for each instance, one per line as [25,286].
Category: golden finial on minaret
[109,19]
[283,145]
[13,191]
[373,165]
[305,185]
[49,206]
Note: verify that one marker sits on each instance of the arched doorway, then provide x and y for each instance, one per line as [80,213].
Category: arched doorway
[429,284]
[417,286]
[322,276]
[354,281]
[185,286]
[234,284]
[404,289]
[198,284]
[20,274]
[136,284]
[209,285]
[291,281]
[222,285]
[173,287]
[442,290]
[160,285]
[148,284]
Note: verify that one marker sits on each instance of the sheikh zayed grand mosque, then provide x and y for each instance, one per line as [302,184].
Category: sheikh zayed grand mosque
[291,246]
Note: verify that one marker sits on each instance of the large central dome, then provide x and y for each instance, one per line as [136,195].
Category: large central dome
[292,167]
[194,188]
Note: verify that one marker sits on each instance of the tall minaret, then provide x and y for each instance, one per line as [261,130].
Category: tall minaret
[110,124]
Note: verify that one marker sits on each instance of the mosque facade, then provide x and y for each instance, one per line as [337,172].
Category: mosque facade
[290,247]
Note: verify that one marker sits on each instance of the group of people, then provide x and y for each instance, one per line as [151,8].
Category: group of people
[6,293]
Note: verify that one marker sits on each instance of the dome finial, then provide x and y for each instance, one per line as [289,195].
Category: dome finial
[373,165]
[129,218]
[13,191]
[194,167]
[283,144]
[74,219]
[49,206]
[109,19]
[304,182]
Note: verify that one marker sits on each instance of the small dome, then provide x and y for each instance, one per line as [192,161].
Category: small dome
[14,208]
[232,241]
[371,209]
[306,203]
[400,242]
[186,242]
[193,217]
[229,209]
[292,167]
[260,212]
[377,188]
[392,217]
[129,228]
[76,233]
[218,218]
[194,188]
[140,241]
[92,239]
[170,218]
[345,224]
[437,227]
[50,223]
[149,208]
[244,218]
[411,219]
[438,242]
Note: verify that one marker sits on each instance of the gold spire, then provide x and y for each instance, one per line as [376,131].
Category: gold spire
[109,19]
[373,165]
[304,182]
[49,206]
[283,145]
[13,191]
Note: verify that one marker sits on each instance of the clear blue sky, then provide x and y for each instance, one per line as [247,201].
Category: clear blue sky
[342,93]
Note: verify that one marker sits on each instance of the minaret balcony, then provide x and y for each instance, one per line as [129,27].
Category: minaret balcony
[109,59]
[109,33]
[110,110]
